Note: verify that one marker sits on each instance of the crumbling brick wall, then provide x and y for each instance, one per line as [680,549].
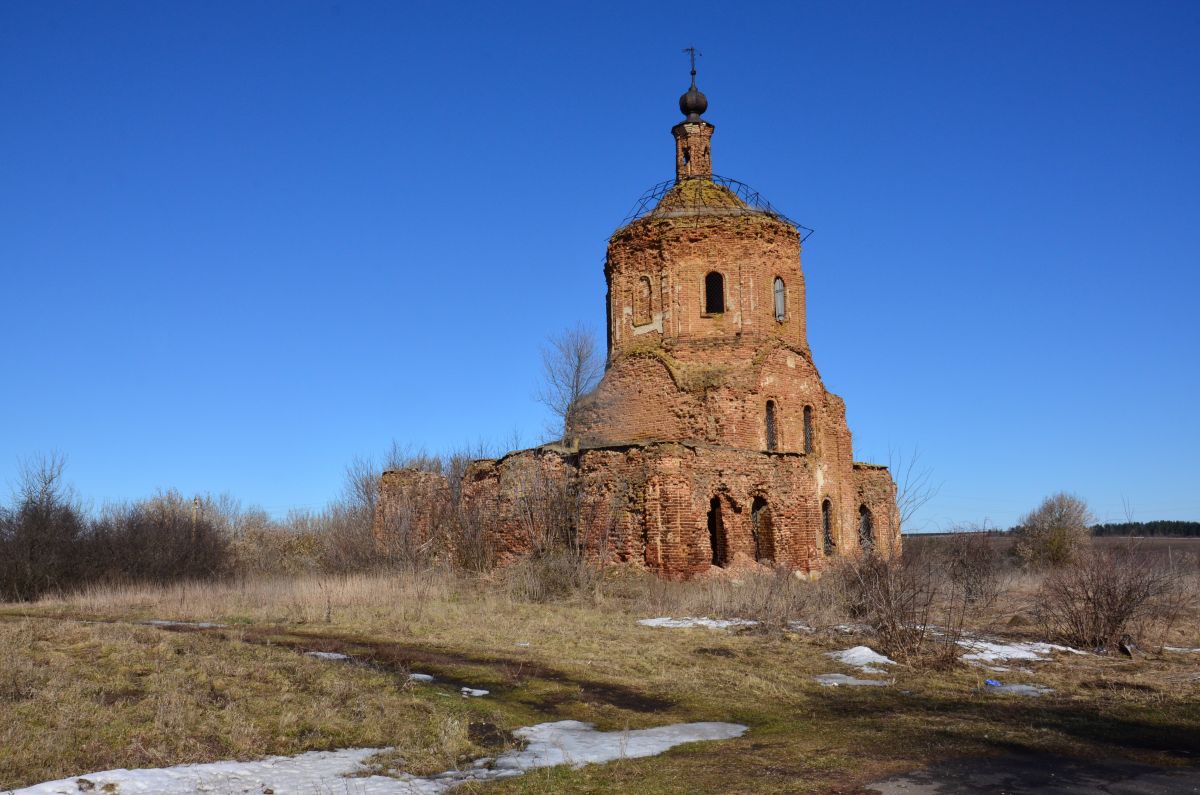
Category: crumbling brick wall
[650,505]
[413,508]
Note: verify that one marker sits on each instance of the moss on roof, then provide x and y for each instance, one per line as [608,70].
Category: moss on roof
[692,194]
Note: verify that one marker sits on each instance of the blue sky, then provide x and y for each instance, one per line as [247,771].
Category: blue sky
[242,243]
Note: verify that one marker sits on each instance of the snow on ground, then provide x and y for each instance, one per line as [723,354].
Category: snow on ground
[473,692]
[420,678]
[1021,690]
[863,658]
[835,680]
[327,655]
[159,622]
[1181,650]
[987,651]
[667,622]
[569,742]
[548,744]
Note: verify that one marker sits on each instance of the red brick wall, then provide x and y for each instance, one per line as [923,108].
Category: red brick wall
[649,504]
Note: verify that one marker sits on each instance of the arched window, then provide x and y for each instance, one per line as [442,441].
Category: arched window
[780,300]
[760,528]
[866,528]
[808,429]
[772,436]
[827,527]
[641,302]
[716,532]
[714,293]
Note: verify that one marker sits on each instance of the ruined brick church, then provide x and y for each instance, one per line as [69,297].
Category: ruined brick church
[711,441]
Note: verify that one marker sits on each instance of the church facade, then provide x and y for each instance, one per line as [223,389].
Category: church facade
[711,441]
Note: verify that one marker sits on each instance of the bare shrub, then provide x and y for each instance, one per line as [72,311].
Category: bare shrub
[42,534]
[162,539]
[1105,593]
[973,565]
[553,574]
[567,534]
[1054,532]
[920,603]
[895,597]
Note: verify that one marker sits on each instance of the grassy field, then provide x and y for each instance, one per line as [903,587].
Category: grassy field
[1185,548]
[84,685]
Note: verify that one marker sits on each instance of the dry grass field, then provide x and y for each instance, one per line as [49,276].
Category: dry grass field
[86,684]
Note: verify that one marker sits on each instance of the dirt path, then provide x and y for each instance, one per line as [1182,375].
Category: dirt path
[1045,775]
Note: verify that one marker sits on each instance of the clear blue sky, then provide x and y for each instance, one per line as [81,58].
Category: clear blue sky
[243,242]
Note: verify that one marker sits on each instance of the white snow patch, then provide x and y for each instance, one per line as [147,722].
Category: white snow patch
[862,657]
[835,680]
[569,742]
[1181,650]
[987,651]
[420,678]
[473,692]
[327,655]
[666,622]
[549,744]
[159,622]
[1021,690]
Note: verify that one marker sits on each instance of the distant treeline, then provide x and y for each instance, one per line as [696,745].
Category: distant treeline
[1158,529]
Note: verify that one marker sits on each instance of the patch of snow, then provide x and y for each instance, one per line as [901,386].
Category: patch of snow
[523,644]
[861,657]
[666,622]
[1021,690]
[548,744]
[473,693]
[159,622]
[987,651]
[836,680]
[799,626]
[1181,650]
[420,678]
[327,655]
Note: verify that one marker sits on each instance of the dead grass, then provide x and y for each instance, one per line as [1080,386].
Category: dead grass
[87,696]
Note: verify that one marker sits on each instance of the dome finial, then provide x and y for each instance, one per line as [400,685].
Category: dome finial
[693,102]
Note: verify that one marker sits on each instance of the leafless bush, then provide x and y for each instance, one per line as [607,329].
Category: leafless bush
[895,597]
[165,538]
[920,603]
[42,534]
[553,574]
[973,565]
[1053,533]
[566,533]
[1105,593]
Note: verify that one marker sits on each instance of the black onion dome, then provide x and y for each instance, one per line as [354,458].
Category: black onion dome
[693,103]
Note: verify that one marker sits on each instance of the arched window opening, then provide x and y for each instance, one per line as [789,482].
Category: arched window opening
[716,533]
[866,529]
[772,435]
[714,293]
[760,528]
[780,300]
[827,527]
[808,429]
[642,302]
[687,155]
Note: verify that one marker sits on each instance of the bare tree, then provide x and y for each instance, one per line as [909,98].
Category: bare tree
[914,484]
[572,367]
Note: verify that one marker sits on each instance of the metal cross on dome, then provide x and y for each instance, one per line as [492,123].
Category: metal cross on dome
[692,53]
